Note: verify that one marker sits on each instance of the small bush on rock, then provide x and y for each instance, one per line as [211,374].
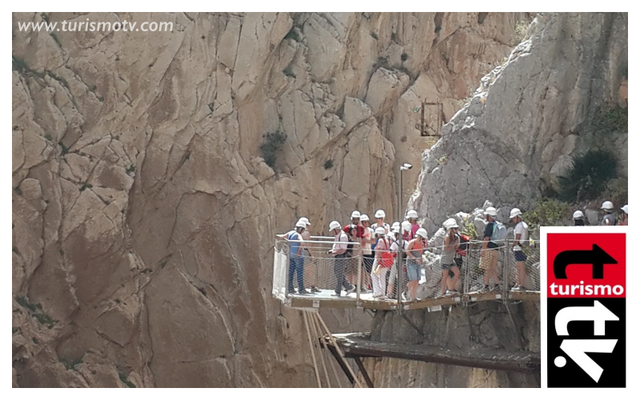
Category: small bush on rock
[548,212]
[588,176]
[268,148]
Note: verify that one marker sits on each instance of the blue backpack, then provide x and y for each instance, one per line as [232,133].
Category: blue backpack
[499,232]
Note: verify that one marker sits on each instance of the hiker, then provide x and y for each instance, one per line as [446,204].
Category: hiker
[367,252]
[578,218]
[451,244]
[309,264]
[414,262]
[379,270]
[296,261]
[338,251]
[625,221]
[395,247]
[379,216]
[352,257]
[608,219]
[521,234]
[412,217]
[489,254]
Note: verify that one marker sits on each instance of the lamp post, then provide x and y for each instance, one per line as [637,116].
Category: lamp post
[399,285]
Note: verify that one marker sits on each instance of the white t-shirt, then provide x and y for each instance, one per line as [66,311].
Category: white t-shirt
[523,230]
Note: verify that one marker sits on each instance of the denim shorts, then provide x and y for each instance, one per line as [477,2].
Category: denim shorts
[413,271]
[520,256]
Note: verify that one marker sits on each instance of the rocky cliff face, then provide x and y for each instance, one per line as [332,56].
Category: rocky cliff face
[529,117]
[143,212]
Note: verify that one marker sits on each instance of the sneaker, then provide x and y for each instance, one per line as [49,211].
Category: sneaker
[494,288]
[349,291]
[303,292]
[516,288]
[336,294]
[485,289]
[453,292]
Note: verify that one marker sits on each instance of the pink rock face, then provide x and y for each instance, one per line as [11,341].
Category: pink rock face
[143,212]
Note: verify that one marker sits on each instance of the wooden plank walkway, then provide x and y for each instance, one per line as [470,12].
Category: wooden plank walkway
[324,299]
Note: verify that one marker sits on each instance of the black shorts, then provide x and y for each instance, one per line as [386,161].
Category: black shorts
[367,262]
[520,256]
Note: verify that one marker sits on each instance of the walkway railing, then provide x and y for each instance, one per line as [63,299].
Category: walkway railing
[320,272]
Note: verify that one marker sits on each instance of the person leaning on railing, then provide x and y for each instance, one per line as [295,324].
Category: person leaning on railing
[352,255]
[489,254]
[339,253]
[309,264]
[296,261]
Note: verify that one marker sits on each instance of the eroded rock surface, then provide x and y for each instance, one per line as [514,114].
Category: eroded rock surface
[529,117]
[143,212]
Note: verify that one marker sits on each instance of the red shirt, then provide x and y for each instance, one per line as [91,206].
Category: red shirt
[414,229]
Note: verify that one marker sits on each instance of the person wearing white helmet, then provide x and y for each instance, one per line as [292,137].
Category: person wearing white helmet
[578,218]
[489,254]
[379,271]
[367,252]
[309,265]
[625,221]
[609,218]
[521,234]
[338,251]
[412,217]
[379,216]
[414,261]
[355,220]
[451,244]
[296,261]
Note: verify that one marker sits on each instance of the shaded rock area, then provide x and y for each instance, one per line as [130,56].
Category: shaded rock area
[143,211]
[529,116]
[483,327]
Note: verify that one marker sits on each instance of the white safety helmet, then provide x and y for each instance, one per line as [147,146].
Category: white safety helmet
[406,226]
[355,214]
[364,217]
[395,225]
[334,225]
[395,229]
[514,213]
[491,211]
[607,205]
[578,215]
[412,214]
[379,214]
[625,209]
[450,223]
[380,231]
[391,235]
[422,233]
[305,220]
[301,224]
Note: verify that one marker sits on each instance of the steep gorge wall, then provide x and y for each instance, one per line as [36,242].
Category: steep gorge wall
[143,214]
[529,117]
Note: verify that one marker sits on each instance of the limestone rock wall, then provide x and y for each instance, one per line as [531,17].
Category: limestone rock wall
[528,117]
[143,213]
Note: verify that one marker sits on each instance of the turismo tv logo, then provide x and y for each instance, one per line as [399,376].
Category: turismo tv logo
[586,309]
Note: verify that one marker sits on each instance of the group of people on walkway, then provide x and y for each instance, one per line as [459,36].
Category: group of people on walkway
[608,218]
[379,244]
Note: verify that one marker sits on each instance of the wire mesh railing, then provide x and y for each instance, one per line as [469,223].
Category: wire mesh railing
[310,268]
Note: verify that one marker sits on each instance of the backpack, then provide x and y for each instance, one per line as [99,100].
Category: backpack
[386,258]
[464,245]
[499,232]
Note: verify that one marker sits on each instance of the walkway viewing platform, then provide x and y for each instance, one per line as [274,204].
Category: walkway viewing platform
[320,271]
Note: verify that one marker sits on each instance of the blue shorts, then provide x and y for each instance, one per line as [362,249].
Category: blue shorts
[520,256]
[413,271]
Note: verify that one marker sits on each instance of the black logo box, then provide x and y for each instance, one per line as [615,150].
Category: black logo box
[613,364]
